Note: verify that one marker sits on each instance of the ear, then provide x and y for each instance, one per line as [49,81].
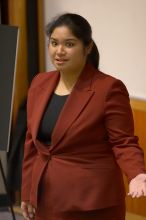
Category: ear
[89,48]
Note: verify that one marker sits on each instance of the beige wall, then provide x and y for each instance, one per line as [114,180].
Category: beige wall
[119,30]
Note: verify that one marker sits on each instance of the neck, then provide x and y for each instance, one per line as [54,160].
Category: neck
[69,78]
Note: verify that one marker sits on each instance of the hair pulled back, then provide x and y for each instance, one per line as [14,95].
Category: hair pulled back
[80,28]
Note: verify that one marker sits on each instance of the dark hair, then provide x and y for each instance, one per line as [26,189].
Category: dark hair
[81,28]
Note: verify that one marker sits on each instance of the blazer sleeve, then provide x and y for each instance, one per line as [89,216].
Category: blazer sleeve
[120,126]
[30,153]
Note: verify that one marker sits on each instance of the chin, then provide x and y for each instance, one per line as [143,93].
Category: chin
[62,68]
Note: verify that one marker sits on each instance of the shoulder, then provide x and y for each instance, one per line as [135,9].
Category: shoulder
[107,79]
[41,79]
[108,82]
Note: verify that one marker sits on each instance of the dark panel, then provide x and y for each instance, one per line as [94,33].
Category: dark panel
[4,201]
[8,44]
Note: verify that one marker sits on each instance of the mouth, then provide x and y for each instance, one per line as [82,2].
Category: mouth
[60,61]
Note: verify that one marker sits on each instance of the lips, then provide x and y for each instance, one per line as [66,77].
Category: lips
[60,61]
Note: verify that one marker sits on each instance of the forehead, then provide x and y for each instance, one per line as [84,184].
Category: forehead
[62,32]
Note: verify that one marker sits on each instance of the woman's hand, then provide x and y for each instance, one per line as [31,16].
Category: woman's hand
[28,210]
[137,186]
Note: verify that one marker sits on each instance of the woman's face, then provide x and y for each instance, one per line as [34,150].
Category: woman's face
[66,51]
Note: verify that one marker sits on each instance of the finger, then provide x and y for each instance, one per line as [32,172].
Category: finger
[141,190]
[24,210]
[33,210]
[30,211]
[31,215]
[27,210]
[144,189]
[129,193]
[144,192]
[134,194]
[139,194]
[23,206]
[25,215]
[131,190]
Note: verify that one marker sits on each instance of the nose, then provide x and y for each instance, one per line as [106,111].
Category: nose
[60,50]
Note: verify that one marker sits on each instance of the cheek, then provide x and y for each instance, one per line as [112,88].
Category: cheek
[80,54]
[51,52]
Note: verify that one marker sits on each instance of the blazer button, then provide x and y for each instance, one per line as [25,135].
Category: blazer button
[46,157]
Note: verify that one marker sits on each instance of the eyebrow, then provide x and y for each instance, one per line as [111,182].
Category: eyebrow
[68,39]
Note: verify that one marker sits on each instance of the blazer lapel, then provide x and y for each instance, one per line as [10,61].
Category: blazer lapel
[43,95]
[76,102]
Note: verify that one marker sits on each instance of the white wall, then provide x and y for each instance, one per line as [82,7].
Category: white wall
[119,31]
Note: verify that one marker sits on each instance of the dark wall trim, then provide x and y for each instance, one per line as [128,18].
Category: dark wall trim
[4,11]
[32,38]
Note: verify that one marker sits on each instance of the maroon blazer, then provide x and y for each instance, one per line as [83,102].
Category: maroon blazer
[92,141]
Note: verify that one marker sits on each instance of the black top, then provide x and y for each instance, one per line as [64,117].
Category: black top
[50,117]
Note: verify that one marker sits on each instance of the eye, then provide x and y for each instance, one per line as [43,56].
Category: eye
[53,43]
[69,44]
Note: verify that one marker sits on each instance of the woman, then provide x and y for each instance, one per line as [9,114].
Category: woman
[80,134]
